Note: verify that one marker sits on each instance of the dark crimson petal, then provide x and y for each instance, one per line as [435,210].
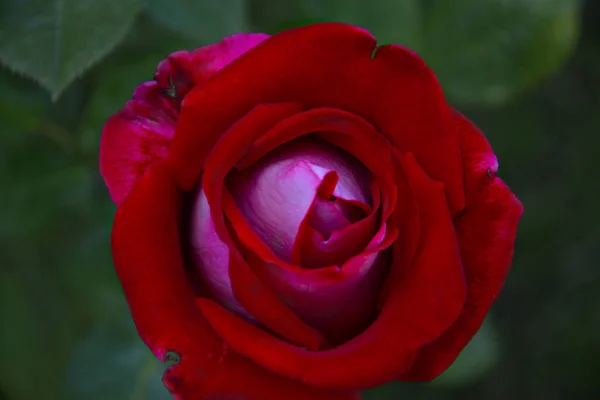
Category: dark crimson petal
[305,292]
[418,311]
[248,290]
[339,300]
[342,129]
[147,258]
[234,377]
[486,234]
[406,218]
[326,65]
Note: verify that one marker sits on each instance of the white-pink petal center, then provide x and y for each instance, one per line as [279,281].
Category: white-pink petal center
[276,192]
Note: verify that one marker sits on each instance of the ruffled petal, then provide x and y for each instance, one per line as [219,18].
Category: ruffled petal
[327,65]
[210,59]
[343,287]
[344,130]
[141,133]
[338,300]
[278,191]
[247,289]
[233,376]
[328,237]
[486,234]
[134,138]
[417,312]
[147,258]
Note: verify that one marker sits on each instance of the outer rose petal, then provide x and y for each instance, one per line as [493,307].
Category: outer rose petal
[147,258]
[134,138]
[297,287]
[486,233]
[327,65]
[338,301]
[141,133]
[417,312]
[210,59]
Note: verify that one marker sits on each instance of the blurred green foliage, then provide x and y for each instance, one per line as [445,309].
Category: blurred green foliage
[526,71]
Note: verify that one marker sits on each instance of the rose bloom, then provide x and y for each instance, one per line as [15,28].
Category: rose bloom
[303,216]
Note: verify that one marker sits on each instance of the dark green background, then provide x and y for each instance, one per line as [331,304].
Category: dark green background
[526,71]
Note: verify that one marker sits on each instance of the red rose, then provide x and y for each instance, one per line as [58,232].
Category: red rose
[303,216]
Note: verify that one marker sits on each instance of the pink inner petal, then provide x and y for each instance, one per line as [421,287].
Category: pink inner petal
[211,255]
[276,193]
[326,217]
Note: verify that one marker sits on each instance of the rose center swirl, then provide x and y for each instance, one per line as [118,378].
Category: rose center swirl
[305,186]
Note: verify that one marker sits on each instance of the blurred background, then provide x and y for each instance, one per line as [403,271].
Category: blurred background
[526,71]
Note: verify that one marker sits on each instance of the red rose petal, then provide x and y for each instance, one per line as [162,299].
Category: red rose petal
[486,235]
[418,311]
[247,288]
[405,217]
[145,236]
[342,129]
[361,140]
[147,258]
[338,300]
[235,377]
[326,65]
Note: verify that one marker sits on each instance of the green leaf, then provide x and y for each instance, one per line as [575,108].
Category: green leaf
[54,41]
[113,363]
[480,355]
[486,51]
[391,21]
[23,106]
[205,20]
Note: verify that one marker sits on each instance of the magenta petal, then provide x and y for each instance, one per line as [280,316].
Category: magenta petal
[141,133]
[210,59]
[131,140]
[211,256]
[276,193]
[326,217]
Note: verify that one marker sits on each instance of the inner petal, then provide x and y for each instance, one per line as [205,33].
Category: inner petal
[334,214]
[276,193]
